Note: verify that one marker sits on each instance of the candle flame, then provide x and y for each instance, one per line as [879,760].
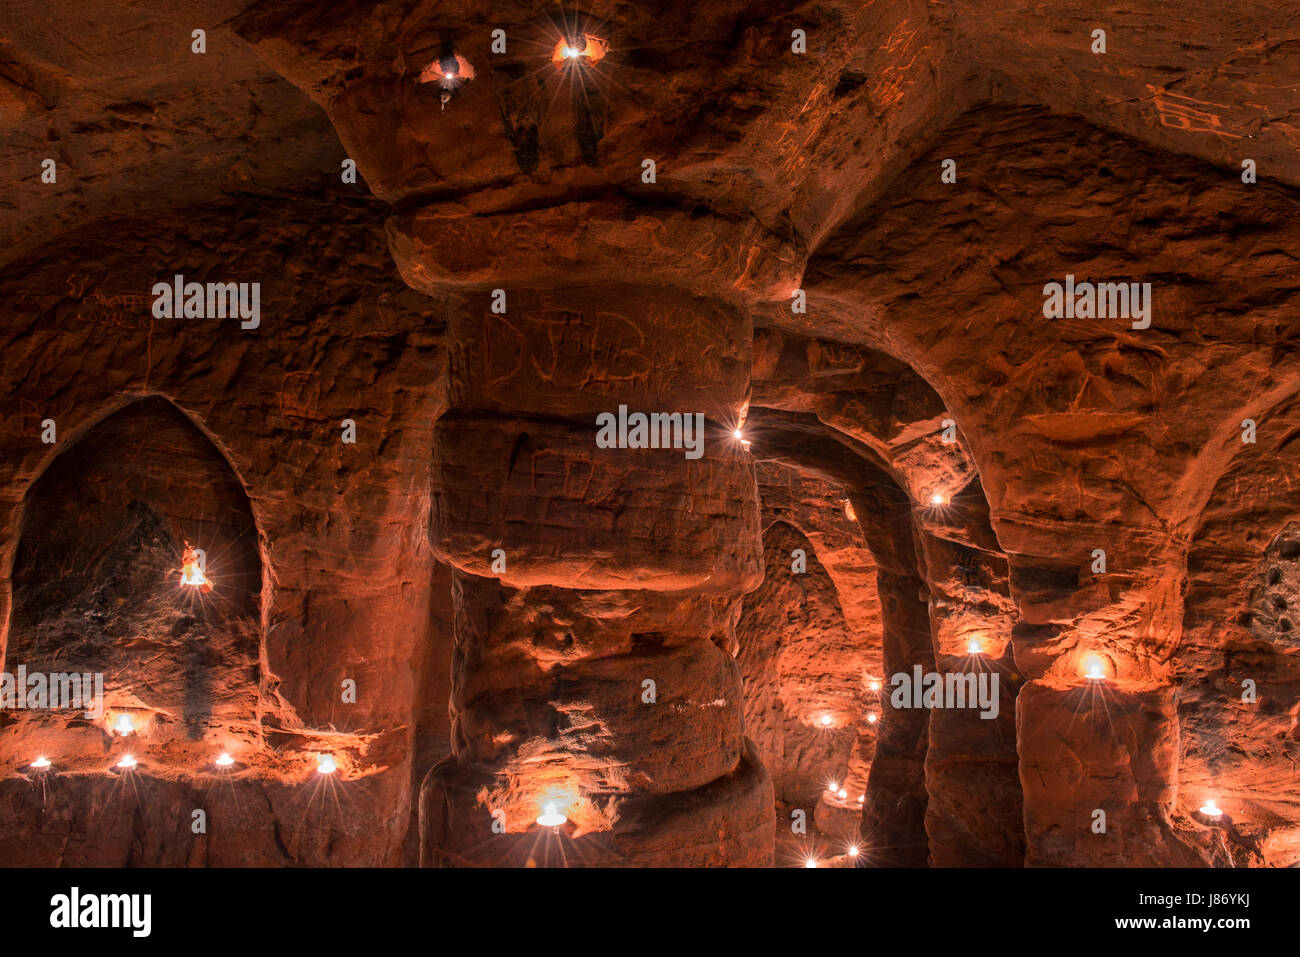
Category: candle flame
[551,816]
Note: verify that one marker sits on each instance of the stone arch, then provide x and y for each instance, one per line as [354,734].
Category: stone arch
[95,579]
[869,422]
[806,675]
[1275,414]
[893,819]
[1237,670]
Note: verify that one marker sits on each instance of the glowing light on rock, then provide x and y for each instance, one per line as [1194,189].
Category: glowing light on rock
[127,762]
[826,720]
[833,786]
[325,764]
[875,686]
[737,434]
[862,799]
[871,719]
[854,851]
[810,862]
[1210,809]
[224,760]
[974,648]
[191,575]
[841,794]
[192,570]
[1094,669]
[124,726]
[41,763]
[579,48]
[551,816]
[449,71]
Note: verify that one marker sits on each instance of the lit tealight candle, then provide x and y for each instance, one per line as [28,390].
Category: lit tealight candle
[1210,809]
[551,816]
[579,48]
[124,725]
[325,764]
[224,760]
[127,762]
[193,576]
[41,763]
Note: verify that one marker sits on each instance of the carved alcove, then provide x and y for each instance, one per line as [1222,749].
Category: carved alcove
[97,576]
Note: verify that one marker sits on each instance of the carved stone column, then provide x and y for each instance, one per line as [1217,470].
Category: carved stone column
[596,587]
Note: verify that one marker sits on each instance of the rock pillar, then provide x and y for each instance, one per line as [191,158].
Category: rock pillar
[596,588]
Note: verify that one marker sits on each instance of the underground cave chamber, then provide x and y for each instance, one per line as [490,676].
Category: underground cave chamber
[895,570]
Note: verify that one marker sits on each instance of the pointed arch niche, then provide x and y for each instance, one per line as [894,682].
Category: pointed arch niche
[96,583]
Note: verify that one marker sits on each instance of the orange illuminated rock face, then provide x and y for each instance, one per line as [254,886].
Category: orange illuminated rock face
[810,654]
[407,554]
[184,434]
[596,586]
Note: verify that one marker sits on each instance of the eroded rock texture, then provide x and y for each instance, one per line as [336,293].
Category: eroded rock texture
[457,618]
[594,671]
[810,655]
[174,430]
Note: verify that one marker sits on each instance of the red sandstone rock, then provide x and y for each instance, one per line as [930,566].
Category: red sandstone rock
[954,466]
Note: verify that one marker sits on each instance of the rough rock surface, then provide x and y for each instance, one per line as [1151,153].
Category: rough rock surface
[476,609]
[312,544]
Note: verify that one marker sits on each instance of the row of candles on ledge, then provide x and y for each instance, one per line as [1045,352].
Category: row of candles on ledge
[324,763]
[192,574]
[551,816]
[125,727]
